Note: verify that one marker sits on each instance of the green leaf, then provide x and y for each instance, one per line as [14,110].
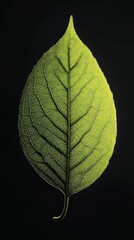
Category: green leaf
[67,117]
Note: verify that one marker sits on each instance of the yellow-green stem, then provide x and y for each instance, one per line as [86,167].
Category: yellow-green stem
[65,208]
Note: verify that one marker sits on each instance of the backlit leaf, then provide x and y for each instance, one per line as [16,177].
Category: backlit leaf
[67,117]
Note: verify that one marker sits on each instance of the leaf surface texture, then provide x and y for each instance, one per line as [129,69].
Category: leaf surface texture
[67,116]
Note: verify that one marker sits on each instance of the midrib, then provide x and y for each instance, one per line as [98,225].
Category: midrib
[68,126]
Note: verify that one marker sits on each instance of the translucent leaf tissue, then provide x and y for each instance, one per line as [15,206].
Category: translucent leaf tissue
[67,117]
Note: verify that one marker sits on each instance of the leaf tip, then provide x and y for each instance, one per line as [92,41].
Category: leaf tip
[71,22]
[70,27]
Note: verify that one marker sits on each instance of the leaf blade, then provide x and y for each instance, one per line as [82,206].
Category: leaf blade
[67,116]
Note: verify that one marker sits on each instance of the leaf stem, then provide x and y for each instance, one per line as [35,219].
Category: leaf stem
[65,208]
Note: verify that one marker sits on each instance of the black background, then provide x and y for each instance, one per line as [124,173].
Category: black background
[106,209]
